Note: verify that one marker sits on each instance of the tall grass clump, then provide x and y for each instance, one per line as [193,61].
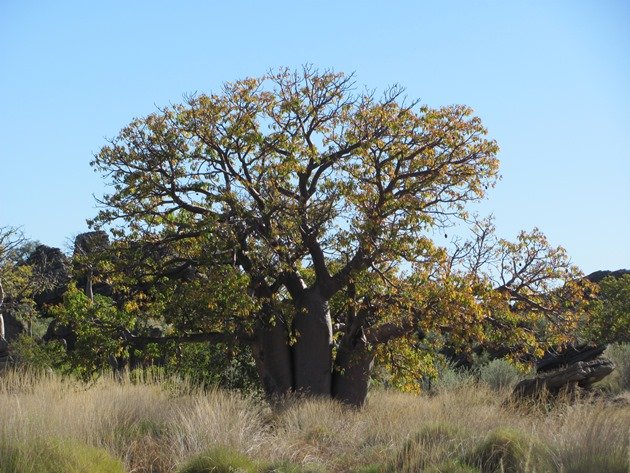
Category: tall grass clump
[433,444]
[508,450]
[594,438]
[452,467]
[55,456]
[159,425]
[220,460]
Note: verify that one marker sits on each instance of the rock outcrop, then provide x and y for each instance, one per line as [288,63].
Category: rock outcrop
[597,276]
[88,247]
[575,368]
[52,272]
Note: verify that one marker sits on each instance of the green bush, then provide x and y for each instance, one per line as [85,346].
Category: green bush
[215,364]
[509,451]
[619,354]
[449,377]
[35,355]
[55,457]
[610,315]
[499,374]
[220,460]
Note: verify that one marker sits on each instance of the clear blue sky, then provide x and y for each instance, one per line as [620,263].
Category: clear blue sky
[550,79]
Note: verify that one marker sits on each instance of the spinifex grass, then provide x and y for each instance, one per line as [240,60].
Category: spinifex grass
[158,425]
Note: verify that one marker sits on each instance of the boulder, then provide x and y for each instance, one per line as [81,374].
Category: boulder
[597,276]
[581,374]
[86,246]
[63,333]
[583,352]
[51,268]
[12,326]
[91,242]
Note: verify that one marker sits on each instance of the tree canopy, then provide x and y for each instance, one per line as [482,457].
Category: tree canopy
[294,212]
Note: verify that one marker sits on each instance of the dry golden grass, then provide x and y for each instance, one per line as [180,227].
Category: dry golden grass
[156,426]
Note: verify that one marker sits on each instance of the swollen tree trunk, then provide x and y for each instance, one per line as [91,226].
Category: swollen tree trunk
[353,367]
[272,354]
[312,351]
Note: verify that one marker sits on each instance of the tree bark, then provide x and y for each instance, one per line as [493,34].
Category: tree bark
[1,318]
[89,291]
[353,367]
[272,354]
[312,351]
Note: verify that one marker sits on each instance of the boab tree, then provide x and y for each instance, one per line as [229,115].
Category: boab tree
[320,195]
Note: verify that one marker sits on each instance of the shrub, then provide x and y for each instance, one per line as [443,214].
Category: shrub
[210,365]
[36,355]
[509,451]
[220,460]
[499,374]
[449,377]
[610,320]
[619,354]
[55,456]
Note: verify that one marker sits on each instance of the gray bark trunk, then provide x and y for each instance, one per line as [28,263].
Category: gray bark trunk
[89,292]
[312,352]
[353,367]
[272,354]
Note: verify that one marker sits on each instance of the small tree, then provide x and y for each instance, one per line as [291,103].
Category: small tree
[317,196]
[610,322]
[17,283]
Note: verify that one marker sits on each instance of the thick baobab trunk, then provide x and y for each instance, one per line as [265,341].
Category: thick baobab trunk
[272,354]
[312,351]
[353,366]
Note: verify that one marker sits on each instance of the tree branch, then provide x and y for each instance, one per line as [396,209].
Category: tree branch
[217,337]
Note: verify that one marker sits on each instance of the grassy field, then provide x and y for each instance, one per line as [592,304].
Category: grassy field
[50,424]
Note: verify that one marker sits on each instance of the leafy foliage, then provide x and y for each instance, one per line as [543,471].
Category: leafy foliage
[36,355]
[97,324]
[212,365]
[295,197]
[610,321]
